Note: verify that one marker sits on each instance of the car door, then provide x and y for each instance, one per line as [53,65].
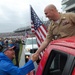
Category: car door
[73,71]
[58,63]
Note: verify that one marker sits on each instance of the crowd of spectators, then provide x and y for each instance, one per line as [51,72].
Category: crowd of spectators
[12,42]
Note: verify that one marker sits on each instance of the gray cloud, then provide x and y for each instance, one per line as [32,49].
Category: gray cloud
[16,13]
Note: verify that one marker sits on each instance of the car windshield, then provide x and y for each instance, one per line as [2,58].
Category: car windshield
[30,41]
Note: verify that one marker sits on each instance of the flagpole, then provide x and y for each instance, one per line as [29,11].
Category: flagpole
[25,34]
[30,13]
[39,28]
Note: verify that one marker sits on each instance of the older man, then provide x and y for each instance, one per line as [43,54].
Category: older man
[8,68]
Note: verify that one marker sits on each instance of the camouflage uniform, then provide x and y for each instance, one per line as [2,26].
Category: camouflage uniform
[64,27]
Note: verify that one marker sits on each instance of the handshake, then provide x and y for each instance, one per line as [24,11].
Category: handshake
[34,57]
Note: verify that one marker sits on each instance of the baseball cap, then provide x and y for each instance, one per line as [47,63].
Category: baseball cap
[8,48]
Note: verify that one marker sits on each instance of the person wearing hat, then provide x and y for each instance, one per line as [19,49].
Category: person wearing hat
[8,68]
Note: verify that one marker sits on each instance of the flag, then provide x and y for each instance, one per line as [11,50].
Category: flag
[38,28]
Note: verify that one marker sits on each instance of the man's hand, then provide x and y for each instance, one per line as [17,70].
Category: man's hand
[34,57]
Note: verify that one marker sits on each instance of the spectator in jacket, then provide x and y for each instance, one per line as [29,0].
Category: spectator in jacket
[17,49]
[8,68]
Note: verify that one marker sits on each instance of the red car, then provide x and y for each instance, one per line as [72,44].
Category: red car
[59,58]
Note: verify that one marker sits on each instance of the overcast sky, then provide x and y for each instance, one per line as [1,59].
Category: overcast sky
[16,13]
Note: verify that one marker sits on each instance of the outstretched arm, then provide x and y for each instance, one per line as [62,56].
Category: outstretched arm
[42,47]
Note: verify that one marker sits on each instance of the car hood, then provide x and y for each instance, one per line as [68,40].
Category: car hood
[31,46]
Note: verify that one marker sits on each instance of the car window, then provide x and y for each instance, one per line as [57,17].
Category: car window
[30,41]
[34,41]
[56,63]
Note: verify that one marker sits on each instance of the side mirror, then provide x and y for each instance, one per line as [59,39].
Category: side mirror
[33,50]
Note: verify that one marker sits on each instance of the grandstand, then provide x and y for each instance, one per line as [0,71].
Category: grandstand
[20,32]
